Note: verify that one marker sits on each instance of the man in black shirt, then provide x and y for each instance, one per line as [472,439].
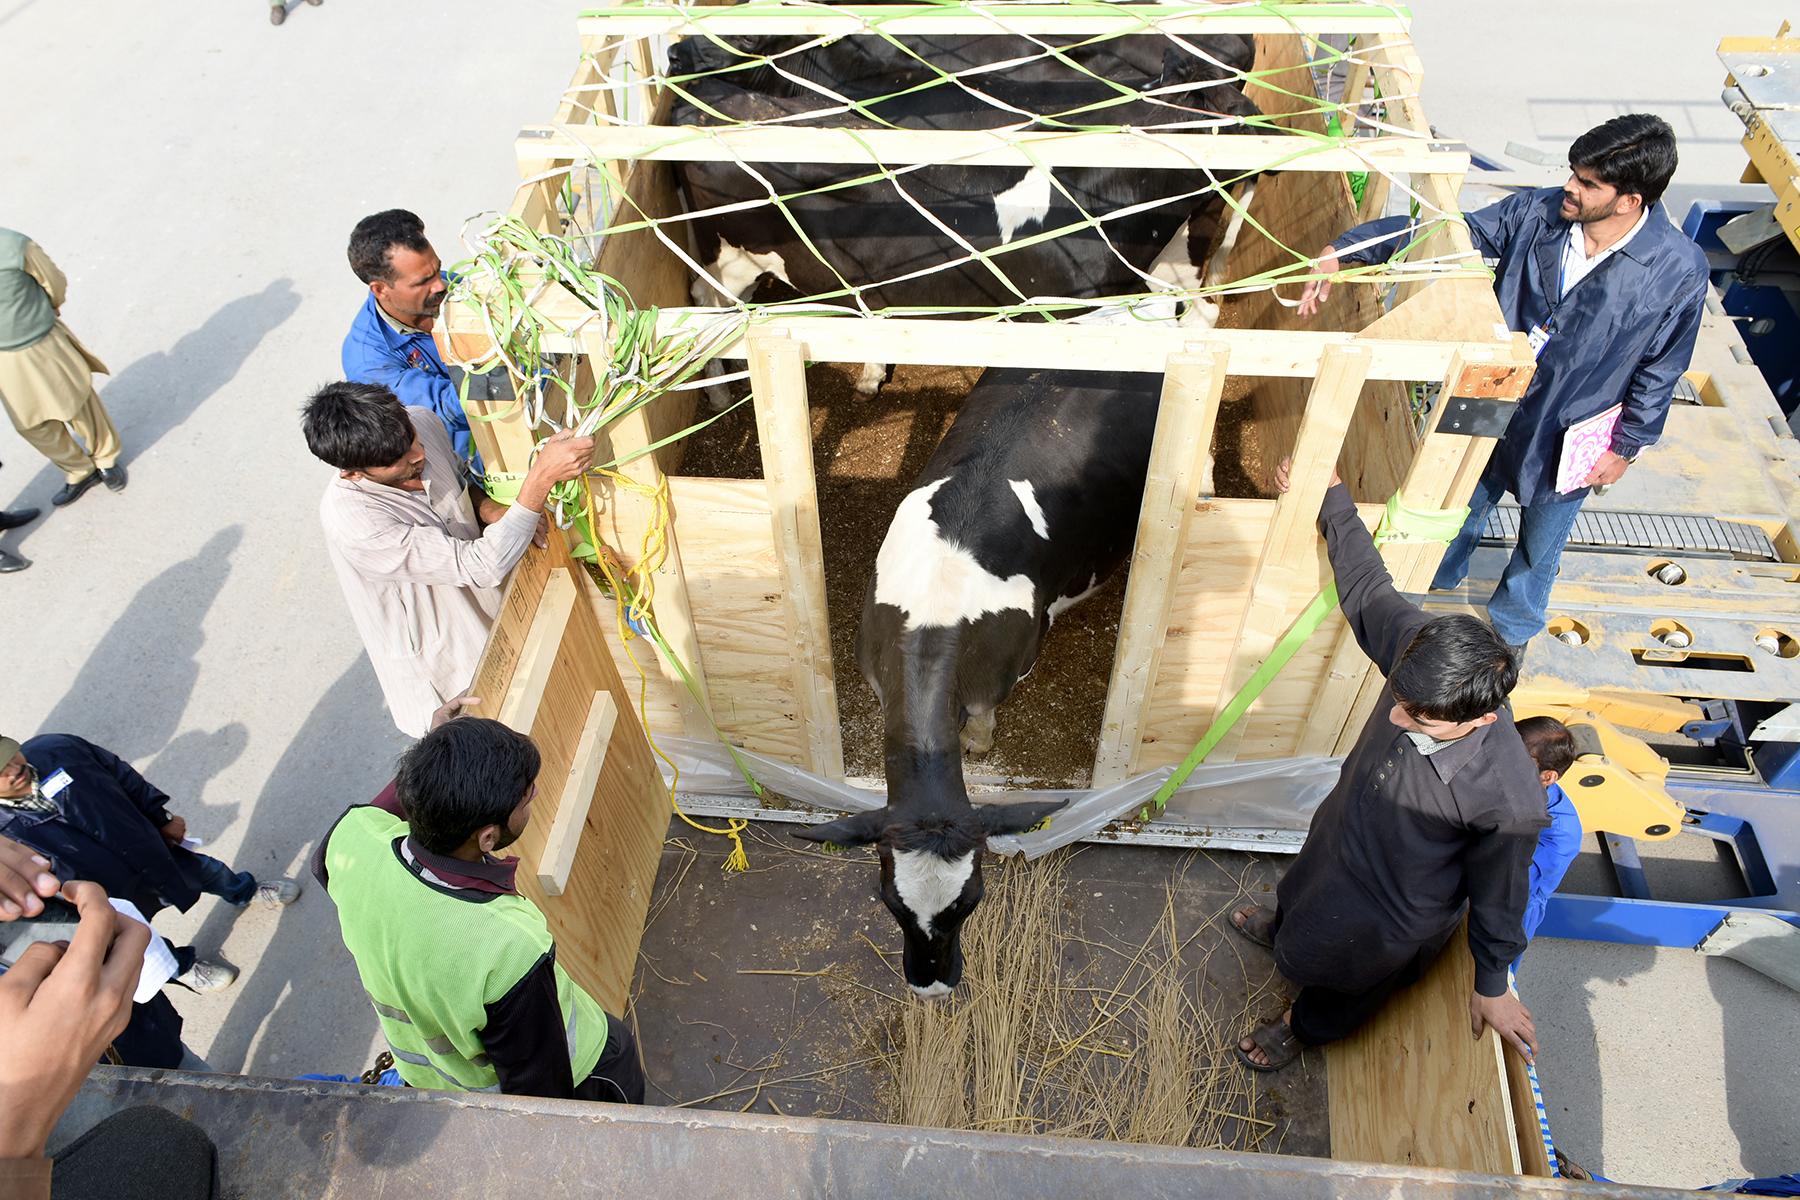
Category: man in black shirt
[1438,808]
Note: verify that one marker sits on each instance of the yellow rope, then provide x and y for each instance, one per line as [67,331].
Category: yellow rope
[633,590]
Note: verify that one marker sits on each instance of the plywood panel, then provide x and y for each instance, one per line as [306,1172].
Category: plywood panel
[599,917]
[1412,1088]
[741,620]
[1225,539]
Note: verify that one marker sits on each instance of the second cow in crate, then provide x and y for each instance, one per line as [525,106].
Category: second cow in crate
[1029,503]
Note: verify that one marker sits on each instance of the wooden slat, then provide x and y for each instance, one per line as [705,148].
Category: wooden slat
[784,429]
[1193,383]
[1148,150]
[1412,1088]
[599,919]
[537,654]
[1534,1157]
[1274,599]
[920,19]
[564,837]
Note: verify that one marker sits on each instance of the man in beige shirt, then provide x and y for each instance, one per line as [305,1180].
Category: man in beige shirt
[46,374]
[421,574]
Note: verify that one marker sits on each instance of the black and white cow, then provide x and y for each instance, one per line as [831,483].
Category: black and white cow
[883,244]
[1029,503]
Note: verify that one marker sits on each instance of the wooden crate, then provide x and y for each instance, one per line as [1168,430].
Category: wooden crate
[1214,582]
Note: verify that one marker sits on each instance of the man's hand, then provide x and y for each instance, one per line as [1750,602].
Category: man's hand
[59,1008]
[564,456]
[452,708]
[25,880]
[1508,1017]
[1610,469]
[1317,291]
[1284,472]
[174,831]
[489,510]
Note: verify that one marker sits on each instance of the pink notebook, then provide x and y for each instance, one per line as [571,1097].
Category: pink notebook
[1582,445]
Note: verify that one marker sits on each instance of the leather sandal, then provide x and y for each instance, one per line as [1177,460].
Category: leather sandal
[1275,1038]
[1256,924]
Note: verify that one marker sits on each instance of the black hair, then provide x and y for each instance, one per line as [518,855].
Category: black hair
[1456,669]
[461,777]
[355,426]
[1549,742]
[1634,153]
[376,234]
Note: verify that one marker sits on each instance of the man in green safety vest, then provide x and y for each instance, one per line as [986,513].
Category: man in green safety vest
[461,969]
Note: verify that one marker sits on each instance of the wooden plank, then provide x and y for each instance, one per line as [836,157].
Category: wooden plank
[1412,1088]
[920,19]
[599,919]
[1273,599]
[784,430]
[1141,149]
[564,837]
[537,654]
[1192,386]
[1274,353]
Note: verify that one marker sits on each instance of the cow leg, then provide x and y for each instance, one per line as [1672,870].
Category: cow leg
[978,733]
[872,377]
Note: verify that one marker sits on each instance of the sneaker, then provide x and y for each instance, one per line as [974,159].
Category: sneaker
[208,976]
[275,893]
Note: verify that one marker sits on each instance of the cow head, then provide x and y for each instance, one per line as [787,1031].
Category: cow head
[931,876]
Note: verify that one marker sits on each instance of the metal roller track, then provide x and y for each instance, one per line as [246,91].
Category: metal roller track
[1634,531]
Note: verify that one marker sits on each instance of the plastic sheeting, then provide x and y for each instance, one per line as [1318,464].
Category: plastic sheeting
[1273,794]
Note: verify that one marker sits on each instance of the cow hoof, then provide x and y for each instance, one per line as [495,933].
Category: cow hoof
[718,398]
[873,376]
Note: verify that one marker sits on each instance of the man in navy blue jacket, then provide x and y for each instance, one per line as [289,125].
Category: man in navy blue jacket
[94,817]
[1610,294]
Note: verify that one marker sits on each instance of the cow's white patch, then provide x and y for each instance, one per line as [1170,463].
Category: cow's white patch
[1034,512]
[736,271]
[936,583]
[1023,203]
[937,991]
[1063,604]
[929,883]
[869,381]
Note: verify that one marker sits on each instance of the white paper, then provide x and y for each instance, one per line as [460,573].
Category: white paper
[192,843]
[159,960]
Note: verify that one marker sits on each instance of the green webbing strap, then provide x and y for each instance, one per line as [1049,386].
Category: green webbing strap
[503,486]
[1400,523]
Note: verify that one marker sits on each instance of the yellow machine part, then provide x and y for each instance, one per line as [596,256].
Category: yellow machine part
[1617,783]
[1771,161]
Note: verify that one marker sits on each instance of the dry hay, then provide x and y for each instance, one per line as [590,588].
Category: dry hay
[1056,1034]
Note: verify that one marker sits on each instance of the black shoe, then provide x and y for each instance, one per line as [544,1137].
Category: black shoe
[68,493]
[12,520]
[113,477]
[10,562]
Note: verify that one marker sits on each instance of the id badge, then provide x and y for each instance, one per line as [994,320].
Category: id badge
[1538,338]
[57,783]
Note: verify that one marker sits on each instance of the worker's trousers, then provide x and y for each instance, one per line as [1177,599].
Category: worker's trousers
[618,1077]
[97,447]
[1324,1014]
[1522,596]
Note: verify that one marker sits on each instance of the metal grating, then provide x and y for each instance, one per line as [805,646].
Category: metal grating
[1647,531]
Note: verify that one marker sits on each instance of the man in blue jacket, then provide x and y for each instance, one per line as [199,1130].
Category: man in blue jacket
[1610,294]
[390,341]
[94,817]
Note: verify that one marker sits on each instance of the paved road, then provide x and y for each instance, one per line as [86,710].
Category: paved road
[196,171]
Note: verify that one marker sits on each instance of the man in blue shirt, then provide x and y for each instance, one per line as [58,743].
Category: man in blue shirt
[1610,294]
[390,341]
[1552,747]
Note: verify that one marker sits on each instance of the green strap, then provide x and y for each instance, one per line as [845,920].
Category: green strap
[1400,523]
[503,486]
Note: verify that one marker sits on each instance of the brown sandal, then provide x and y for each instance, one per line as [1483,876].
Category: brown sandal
[1256,924]
[1275,1038]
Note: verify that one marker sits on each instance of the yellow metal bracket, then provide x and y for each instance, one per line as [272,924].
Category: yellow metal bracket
[1617,782]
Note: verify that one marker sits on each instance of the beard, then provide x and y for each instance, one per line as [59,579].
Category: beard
[1587,216]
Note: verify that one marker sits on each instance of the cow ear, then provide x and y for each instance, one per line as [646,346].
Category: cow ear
[997,819]
[858,829]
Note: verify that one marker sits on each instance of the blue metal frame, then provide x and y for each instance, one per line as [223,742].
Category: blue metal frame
[1762,826]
